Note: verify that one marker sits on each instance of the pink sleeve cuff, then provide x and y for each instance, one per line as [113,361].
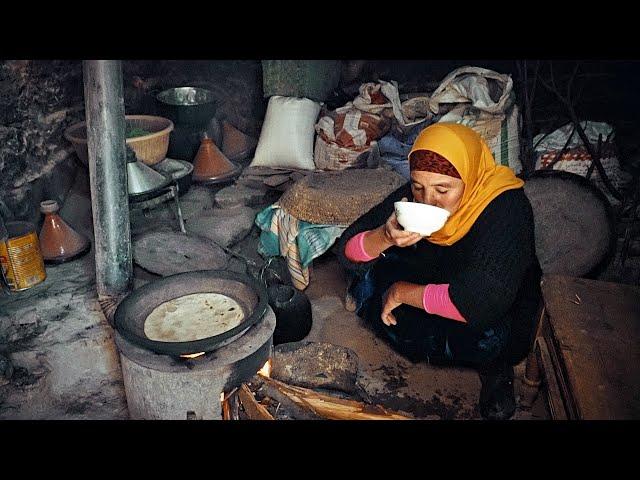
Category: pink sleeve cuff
[436,301]
[354,249]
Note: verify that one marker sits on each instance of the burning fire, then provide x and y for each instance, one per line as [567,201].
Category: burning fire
[192,355]
[265,371]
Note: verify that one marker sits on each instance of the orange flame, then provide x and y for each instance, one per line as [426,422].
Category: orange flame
[265,371]
[192,355]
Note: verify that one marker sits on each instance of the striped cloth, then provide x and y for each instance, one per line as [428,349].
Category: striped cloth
[298,241]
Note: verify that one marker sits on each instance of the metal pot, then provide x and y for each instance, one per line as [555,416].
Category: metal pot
[187,105]
[293,313]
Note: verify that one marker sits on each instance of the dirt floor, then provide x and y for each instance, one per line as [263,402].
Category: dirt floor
[423,390]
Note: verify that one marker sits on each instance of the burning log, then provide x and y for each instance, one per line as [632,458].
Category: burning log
[297,402]
[254,410]
[333,408]
[287,404]
[230,405]
[226,410]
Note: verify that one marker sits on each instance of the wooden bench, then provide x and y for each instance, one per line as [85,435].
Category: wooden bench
[587,349]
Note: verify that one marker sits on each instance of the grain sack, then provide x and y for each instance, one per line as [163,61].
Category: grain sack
[487,105]
[381,98]
[286,138]
[331,156]
[344,135]
[576,158]
[500,131]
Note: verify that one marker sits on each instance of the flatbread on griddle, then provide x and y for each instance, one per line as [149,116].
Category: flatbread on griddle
[193,317]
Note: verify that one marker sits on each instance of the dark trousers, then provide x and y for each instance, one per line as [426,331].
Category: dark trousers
[419,335]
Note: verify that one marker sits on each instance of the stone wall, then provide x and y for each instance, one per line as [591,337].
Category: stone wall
[39,99]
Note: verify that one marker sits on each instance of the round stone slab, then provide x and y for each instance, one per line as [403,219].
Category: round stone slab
[168,253]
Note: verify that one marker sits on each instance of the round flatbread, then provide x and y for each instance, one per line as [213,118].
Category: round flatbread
[193,317]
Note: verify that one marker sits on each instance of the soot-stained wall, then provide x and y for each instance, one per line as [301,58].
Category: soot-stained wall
[39,99]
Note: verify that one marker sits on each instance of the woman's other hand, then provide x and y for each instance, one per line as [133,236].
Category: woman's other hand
[389,302]
[398,294]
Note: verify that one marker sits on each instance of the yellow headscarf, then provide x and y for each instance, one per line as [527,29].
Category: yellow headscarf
[483,179]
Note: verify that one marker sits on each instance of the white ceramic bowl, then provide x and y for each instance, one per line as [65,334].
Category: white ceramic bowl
[420,217]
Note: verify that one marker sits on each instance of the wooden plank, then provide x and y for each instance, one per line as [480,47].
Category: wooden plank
[254,410]
[594,330]
[559,365]
[532,377]
[554,397]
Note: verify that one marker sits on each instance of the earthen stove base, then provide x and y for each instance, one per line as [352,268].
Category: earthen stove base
[161,387]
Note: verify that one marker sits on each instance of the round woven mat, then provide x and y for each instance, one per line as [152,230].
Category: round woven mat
[339,198]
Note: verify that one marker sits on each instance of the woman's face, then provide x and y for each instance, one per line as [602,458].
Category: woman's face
[436,189]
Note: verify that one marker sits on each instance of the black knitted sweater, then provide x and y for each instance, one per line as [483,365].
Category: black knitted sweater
[493,272]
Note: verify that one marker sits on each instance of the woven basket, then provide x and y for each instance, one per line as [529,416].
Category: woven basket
[339,198]
[330,156]
[150,149]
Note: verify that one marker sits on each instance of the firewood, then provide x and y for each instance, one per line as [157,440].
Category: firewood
[226,410]
[234,405]
[230,405]
[287,404]
[254,410]
[334,408]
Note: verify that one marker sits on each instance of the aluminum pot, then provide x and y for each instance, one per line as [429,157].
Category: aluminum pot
[187,105]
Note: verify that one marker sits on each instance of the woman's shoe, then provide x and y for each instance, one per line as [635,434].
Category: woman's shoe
[497,396]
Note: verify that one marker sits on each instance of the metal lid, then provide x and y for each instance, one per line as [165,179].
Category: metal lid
[143,179]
